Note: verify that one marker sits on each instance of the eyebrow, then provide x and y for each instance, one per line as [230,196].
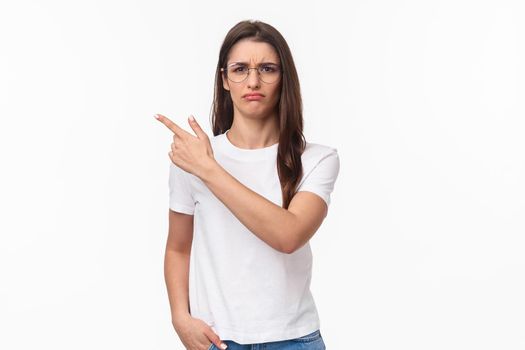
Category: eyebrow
[246,63]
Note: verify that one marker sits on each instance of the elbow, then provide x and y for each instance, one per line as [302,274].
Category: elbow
[292,249]
[296,241]
[290,243]
[289,247]
[287,251]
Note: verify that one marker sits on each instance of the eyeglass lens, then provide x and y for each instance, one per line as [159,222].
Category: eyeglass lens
[269,73]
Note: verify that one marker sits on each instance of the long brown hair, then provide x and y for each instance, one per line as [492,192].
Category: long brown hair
[290,110]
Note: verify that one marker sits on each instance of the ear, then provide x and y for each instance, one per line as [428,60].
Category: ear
[225,83]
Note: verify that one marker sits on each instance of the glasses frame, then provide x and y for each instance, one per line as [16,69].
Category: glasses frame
[248,74]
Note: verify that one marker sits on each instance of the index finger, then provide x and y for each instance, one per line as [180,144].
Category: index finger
[177,130]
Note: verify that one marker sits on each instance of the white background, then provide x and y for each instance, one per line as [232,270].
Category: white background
[423,247]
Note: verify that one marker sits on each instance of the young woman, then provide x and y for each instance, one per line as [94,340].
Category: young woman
[244,205]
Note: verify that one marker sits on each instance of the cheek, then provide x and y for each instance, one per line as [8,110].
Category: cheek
[235,94]
[275,93]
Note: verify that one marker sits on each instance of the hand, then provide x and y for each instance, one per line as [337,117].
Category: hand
[195,334]
[190,153]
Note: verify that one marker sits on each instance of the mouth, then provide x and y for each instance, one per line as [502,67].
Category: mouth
[253,97]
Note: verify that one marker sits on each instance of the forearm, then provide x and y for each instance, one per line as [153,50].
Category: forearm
[176,275]
[268,221]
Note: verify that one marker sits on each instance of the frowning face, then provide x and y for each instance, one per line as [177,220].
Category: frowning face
[250,54]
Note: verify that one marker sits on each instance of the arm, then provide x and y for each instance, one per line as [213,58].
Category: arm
[261,216]
[176,264]
[285,230]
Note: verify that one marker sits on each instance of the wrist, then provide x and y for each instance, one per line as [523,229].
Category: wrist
[180,318]
[210,170]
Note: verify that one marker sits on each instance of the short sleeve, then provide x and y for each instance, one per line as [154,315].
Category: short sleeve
[180,195]
[321,178]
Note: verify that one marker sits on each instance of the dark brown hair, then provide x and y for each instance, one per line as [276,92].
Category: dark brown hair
[290,110]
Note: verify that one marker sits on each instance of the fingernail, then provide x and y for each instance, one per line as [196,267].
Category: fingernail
[156,116]
[224,346]
[193,119]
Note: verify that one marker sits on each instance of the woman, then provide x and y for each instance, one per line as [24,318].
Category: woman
[245,203]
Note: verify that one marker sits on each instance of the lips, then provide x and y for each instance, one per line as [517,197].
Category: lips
[253,96]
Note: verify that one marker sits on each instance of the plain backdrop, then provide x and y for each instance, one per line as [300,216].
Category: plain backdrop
[423,246]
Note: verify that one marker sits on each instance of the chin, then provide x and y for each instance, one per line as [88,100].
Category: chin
[254,113]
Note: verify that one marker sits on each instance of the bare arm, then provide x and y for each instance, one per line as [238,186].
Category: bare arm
[177,264]
[264,218]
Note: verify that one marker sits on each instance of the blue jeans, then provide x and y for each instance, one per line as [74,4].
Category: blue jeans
[312,341]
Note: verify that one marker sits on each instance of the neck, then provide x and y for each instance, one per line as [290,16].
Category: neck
[254,133]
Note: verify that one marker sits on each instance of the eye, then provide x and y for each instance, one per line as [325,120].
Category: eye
[268,68]
[239,68]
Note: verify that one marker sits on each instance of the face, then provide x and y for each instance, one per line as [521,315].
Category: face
[253,54]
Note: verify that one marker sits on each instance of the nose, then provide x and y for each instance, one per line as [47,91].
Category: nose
[253,78]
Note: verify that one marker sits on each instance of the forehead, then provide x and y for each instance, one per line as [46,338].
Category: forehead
[249,51]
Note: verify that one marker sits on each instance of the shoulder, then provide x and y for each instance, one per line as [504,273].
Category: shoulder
[315,152]
[321,161]
[215,138]
[320,170]
[217,142]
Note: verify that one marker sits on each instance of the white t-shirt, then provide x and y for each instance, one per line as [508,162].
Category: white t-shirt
[239,285]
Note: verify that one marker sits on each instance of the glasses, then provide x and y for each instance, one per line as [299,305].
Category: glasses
[238,72]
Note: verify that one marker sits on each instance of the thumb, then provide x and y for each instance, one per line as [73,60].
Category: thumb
[214,338]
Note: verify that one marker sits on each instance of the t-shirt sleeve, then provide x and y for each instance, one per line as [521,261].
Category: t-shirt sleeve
[180,195]
[321,179]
